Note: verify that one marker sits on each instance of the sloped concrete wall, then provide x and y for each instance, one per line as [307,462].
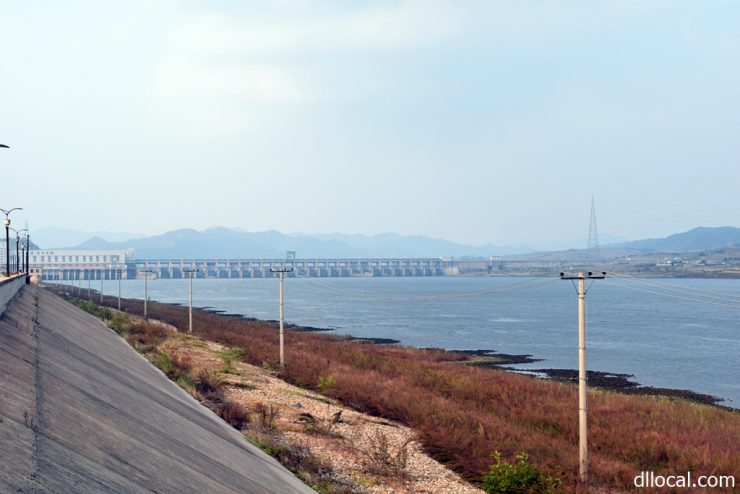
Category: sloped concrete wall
[8,289]
[82,412]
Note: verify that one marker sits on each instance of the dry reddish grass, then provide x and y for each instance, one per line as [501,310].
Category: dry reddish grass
[462,414]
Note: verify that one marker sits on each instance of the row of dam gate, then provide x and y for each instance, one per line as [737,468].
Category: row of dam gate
[252,268]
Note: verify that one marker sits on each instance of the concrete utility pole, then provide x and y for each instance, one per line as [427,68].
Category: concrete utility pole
[89,285]
[119,271]
[190,299]
[146,289]
[582,376]
[101,288]
[282,272]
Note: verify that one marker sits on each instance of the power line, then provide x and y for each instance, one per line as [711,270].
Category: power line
[679,288]
[671,295]
[522,285]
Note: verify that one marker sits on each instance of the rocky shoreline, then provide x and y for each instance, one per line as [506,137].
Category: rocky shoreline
[620,383]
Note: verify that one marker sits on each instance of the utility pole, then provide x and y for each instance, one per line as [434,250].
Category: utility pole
[146,289]
[582,376]
[282,272]
[190,271]
[119,271]
[101,287]
[89,285]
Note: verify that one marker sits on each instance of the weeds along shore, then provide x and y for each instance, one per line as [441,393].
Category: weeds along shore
[462,415]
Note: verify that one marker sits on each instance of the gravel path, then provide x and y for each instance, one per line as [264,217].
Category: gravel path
[371,454]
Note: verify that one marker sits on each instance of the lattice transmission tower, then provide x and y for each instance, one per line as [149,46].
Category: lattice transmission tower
[593,232]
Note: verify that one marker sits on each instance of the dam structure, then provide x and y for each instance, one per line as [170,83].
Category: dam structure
[82,412]
[313,268]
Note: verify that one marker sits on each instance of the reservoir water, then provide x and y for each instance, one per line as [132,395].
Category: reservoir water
[667,333]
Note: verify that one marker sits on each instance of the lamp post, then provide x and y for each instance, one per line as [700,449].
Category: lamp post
[6,222]
[24,268]
[25,254]
[28,265]
[17,250]
[26,257]
[190,299]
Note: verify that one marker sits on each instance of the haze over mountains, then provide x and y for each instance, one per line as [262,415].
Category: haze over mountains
[701,238]
[220,242]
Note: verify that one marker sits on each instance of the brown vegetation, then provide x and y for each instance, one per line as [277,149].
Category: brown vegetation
[385,459]
[462,414]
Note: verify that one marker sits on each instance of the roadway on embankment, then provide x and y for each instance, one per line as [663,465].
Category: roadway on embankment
[81,411]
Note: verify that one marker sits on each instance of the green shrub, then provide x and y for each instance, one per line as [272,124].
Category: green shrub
[326,383]
[164,362]
[121,324]
[517,478]
[92,308]
[229,356]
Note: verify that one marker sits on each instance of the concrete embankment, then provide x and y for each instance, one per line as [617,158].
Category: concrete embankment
[9,288]
[80,411]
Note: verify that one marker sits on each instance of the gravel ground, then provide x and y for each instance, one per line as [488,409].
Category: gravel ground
[371,454]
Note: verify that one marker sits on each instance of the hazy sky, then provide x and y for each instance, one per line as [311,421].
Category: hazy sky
[477,121]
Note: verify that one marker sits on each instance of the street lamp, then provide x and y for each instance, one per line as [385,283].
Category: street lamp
[24,247]
[17,243]
[26,258]
[6,222]
[28,265]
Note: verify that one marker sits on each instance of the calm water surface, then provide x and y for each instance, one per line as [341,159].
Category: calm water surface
[662,341]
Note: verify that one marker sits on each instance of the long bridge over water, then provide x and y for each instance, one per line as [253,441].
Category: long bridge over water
[261,268]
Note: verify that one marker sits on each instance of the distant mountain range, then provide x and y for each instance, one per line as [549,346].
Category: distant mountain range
[701,238]
[55,237]
[220,242]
